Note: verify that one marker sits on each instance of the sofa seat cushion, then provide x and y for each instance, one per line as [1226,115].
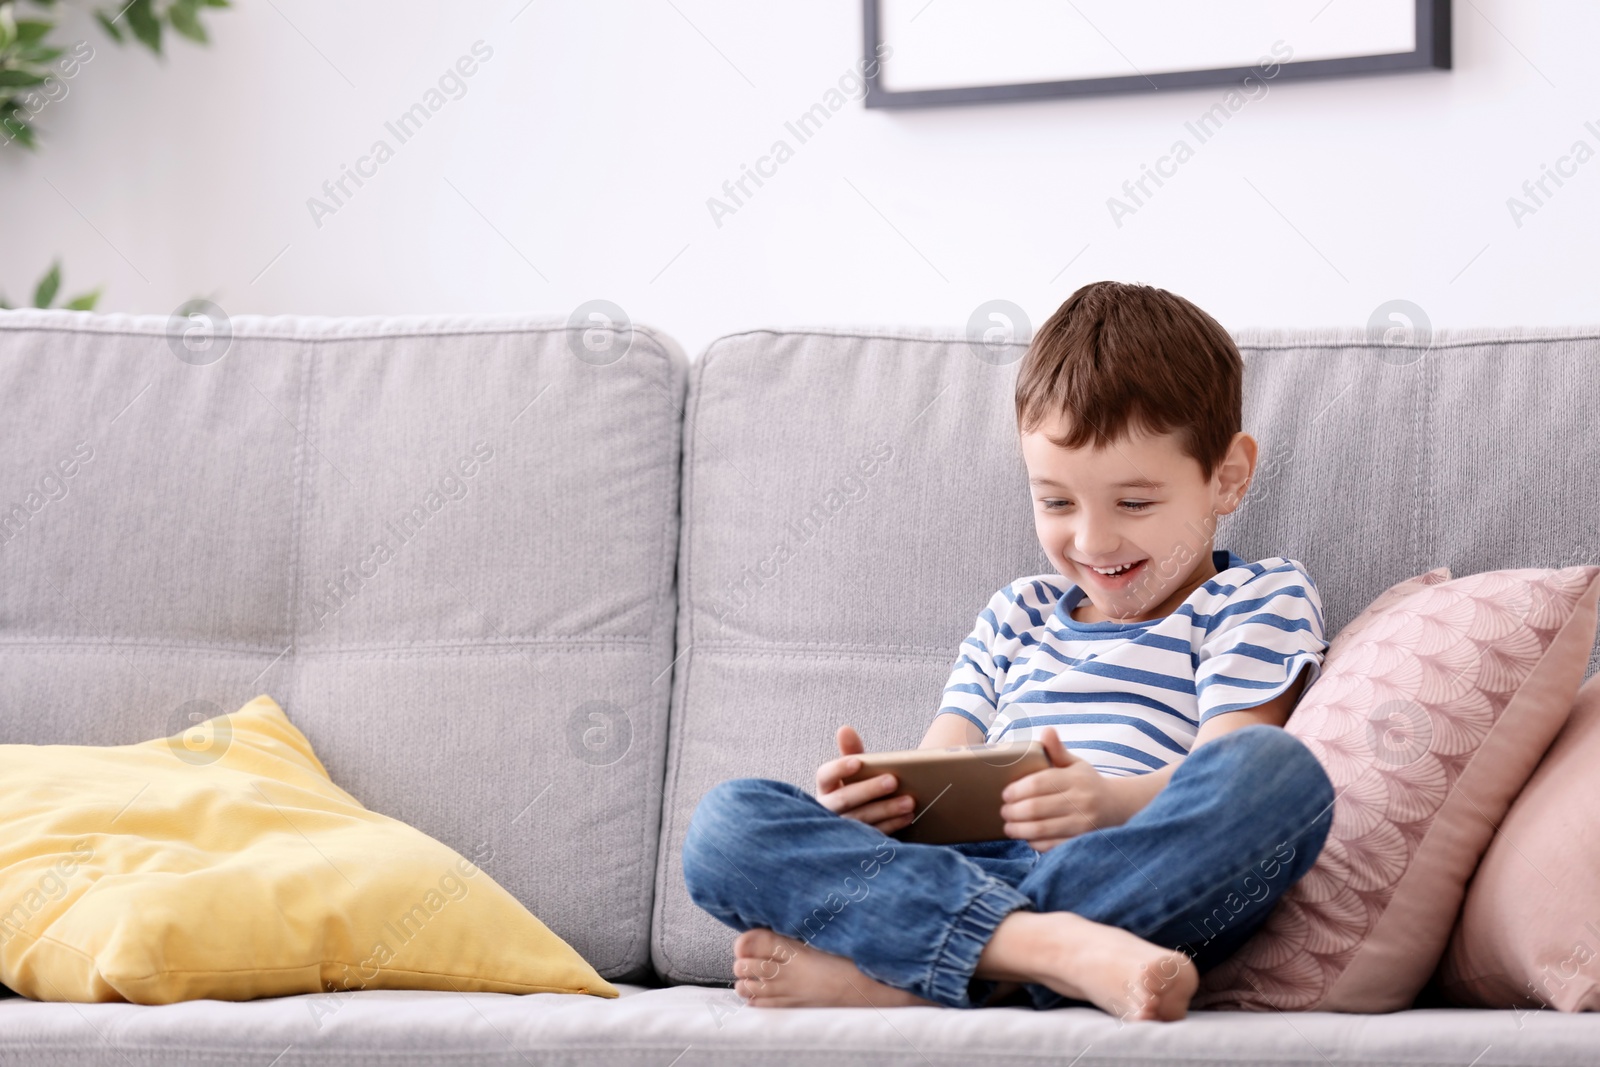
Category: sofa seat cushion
[695,1025]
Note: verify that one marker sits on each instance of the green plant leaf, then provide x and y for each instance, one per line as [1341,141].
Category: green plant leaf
[19,131]
[110,27]
[48,285]
[186,22]
[83,302]
[145,25]
[36,55]
[27,54]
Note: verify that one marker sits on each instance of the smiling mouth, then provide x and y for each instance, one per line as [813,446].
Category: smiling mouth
[1118,577]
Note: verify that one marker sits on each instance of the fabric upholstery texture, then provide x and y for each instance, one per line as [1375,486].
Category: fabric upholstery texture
[494,674]
[1433,708]
[703,1025]
[1529,930]
[223,863]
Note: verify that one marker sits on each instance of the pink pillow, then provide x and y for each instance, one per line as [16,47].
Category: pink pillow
[1432,709]
[1529,932]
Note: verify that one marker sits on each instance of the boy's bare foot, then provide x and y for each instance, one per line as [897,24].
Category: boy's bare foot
[773,971]
[1121,973]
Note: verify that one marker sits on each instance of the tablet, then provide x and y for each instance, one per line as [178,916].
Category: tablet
[956,789]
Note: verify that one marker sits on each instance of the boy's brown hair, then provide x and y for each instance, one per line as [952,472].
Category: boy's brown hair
[1116,357]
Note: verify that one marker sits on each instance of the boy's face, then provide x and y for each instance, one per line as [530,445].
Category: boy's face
[1092,508]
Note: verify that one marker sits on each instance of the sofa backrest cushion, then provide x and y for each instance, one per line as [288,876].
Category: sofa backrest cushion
[852,499]
[444,546]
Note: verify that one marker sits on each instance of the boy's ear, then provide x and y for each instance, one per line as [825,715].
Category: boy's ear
[1235,471]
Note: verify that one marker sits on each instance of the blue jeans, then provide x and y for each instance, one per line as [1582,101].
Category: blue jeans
[1199,868]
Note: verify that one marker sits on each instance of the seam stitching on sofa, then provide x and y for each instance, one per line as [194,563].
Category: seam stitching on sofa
[1420,471]
[681,373]
[399,655]
[486,645]
[422,329]
[893,334]
[666,388]
[563,641]
[1431,526]
[297,531]
[650,836]
[872,655]
[680,679]
[677,702]
[863,651]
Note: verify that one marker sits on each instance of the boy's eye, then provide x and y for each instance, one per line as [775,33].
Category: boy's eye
[1132,506]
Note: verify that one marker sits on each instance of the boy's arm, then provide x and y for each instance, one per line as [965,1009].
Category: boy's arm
[969,701]
[1132,793]
[947,730]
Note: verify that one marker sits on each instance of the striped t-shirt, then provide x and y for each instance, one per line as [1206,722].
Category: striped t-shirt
[1129,697]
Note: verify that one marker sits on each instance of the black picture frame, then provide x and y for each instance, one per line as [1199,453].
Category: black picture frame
[1431,53]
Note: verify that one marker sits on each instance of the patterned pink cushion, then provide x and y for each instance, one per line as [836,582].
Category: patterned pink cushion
[1432,709]
[1529,931]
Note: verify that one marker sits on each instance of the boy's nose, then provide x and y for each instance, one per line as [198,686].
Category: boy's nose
[1095,540]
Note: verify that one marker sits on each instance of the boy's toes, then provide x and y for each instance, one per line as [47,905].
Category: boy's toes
[759,943]
[754,967]
[744,944]
[1164,988]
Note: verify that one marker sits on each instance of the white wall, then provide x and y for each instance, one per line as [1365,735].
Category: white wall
[579,163]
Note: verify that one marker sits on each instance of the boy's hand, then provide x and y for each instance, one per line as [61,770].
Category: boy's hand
[1049,806]
[871,801]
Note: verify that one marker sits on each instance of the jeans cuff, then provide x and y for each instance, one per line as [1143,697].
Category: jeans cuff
[951,979]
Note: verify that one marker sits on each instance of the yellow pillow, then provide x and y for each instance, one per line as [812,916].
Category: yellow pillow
[224,863]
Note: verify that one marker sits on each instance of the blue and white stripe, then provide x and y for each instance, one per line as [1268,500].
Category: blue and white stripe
[1129,697]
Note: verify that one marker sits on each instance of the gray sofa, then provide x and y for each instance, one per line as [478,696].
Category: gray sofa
[668,574]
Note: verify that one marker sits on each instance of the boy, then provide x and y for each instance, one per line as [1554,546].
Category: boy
[1158,674]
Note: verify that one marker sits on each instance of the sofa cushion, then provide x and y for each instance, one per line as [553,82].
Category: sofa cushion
[1529,929]
[852,498]
[444,545]
[691,1025]
[1433,707]
[221,862]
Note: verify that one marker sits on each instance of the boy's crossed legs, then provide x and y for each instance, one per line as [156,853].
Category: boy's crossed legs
[1096,918]
[1081,960]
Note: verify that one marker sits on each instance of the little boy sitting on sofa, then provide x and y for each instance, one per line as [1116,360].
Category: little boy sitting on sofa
[1156,670]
